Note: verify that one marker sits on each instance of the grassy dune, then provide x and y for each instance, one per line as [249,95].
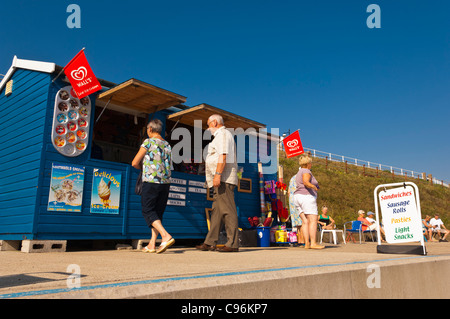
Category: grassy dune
[345,190]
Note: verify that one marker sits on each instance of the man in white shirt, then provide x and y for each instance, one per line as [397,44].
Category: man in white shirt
[439,227]
[374,225]
[221,173]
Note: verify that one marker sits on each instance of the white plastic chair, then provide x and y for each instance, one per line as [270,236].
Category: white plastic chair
[333,232]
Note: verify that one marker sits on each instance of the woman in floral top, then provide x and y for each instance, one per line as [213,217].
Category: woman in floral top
[155,160]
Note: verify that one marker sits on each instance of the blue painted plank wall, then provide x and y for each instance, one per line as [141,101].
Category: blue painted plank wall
[22,121]
[84,224]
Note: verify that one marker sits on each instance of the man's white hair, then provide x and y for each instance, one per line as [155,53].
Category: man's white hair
[216,117]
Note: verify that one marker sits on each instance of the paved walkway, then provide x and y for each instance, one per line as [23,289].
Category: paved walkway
[187,273]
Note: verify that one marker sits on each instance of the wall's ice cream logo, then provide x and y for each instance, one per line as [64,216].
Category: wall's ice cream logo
[292,143]
[79,74]
[104,192]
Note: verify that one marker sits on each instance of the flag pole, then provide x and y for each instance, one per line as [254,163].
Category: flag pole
[67,65]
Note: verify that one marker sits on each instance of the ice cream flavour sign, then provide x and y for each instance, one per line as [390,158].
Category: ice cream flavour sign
[105,191]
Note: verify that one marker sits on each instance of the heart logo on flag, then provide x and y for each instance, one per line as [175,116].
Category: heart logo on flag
[79,74]
[292,143]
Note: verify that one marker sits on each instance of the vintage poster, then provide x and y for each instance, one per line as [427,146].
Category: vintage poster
[66,188]
[105,197]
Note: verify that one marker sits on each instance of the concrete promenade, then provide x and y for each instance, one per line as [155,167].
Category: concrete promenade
[342,271]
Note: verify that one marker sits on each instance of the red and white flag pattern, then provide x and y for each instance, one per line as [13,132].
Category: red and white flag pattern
[81,77]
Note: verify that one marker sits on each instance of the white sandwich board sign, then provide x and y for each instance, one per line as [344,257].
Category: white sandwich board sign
[401,214]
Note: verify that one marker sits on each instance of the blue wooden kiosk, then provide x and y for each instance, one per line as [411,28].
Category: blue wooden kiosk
[34,171]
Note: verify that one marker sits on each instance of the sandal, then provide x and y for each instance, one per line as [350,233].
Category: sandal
[146,250]
[164,245]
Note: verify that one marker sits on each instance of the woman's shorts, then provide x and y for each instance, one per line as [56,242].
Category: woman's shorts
[306,204]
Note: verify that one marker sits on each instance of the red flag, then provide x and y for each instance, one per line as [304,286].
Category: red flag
[81,76]
[293,145]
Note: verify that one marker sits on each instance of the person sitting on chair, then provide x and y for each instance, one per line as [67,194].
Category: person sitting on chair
[374,225]
[364,222]
[439,227]
[427,228]
[325,221]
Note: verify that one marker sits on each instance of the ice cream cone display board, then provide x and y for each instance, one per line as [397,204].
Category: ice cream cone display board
[66,188]
[71,117]
[106,191]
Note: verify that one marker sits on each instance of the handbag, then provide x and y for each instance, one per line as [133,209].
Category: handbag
[138,187]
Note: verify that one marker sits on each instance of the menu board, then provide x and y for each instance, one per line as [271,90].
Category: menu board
[245,185]
[71,116]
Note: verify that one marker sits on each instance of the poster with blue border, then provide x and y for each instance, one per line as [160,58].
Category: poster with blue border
[66,188]
[105,197]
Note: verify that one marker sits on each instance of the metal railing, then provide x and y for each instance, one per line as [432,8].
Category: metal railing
[367,164]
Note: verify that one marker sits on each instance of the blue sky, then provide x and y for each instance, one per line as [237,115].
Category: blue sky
[381,95]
